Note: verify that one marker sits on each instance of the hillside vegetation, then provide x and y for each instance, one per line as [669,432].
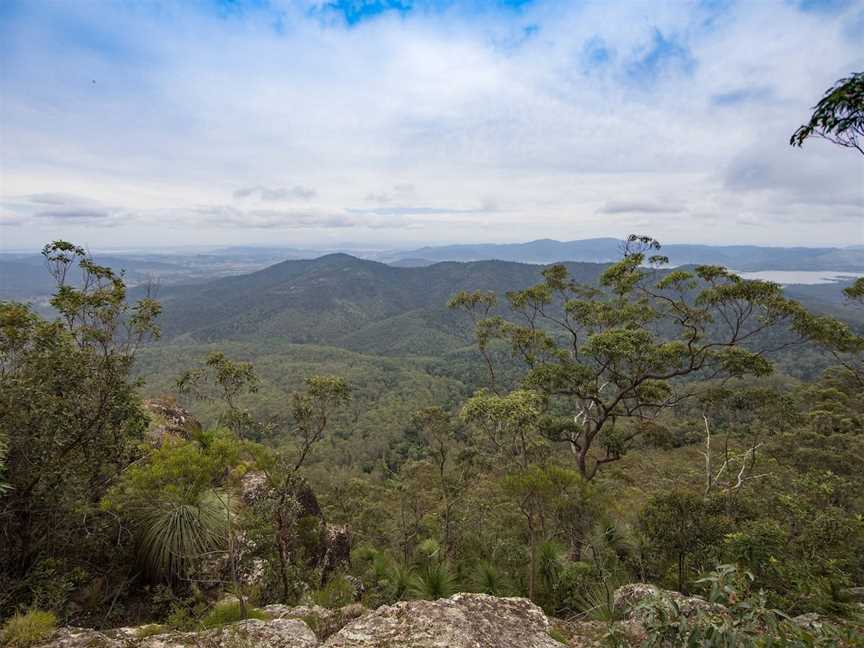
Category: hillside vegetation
[332,431]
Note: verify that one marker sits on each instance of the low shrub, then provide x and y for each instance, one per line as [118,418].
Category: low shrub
[28,629]
[231,612]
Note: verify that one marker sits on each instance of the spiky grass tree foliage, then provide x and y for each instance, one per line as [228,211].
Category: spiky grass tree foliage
[489,579]
[173,537]
[550,563]
[433,581]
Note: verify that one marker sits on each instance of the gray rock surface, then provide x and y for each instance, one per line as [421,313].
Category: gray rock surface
[276,633]
[323,621]
[461,621]
[252,633]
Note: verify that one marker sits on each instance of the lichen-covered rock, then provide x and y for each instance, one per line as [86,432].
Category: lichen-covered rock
[302,533]
[461,621]
[69,637]
[254,486]
[627,599]
[168,421]
[596,634]
[323,621]
[252,633]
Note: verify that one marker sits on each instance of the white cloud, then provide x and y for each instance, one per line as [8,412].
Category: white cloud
[565,113]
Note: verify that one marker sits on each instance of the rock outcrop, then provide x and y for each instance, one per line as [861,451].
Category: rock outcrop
[275,633]
[461,621]
[302,531]
[168,421]
[627,599]
[324,622]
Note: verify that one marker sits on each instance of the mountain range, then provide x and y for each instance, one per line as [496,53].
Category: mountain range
[343,301]
[742,258]
[361,305]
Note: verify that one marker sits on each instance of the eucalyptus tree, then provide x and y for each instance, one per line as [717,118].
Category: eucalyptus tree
[838,117]
[509,426]
[438,433]
[304,424]
[607,359]
[70,416]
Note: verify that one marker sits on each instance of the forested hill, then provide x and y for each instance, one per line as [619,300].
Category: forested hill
[344,301]
[366,306]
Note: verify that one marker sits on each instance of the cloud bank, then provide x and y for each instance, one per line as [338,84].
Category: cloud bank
[423,122]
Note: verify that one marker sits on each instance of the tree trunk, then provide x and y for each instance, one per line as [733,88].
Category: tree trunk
[533,560]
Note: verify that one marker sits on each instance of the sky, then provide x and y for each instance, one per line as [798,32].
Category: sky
[399,123]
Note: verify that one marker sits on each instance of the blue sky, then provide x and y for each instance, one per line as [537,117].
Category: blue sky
[400,122]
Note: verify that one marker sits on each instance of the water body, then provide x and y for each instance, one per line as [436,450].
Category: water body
[807,277]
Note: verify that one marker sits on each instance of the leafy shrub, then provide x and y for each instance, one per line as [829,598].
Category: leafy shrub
[28,629]
[750,622]
[231,612]
[338,591]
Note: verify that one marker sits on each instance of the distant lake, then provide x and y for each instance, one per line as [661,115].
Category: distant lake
[809,277]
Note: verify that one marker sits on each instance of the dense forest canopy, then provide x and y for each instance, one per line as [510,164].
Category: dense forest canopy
[632,427]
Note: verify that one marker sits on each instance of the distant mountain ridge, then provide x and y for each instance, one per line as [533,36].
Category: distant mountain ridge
[343,301]
[602,250]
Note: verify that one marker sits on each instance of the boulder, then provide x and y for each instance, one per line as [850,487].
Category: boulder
[627,599]
[461,621]
[70,637]
[276,633]
[302,531]
[324,622]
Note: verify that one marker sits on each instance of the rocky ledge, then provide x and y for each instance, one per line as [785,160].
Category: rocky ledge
[461,621]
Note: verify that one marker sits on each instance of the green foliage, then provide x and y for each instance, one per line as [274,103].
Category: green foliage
[336,593]
[433,581]
[855,292]
[28,629]
[839,115]
[489,579]
[603,355]
[173,503]
[230,612]
[224,380]
[683,530]
[501,492]
[70,418]
[748,622]
[173,537]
